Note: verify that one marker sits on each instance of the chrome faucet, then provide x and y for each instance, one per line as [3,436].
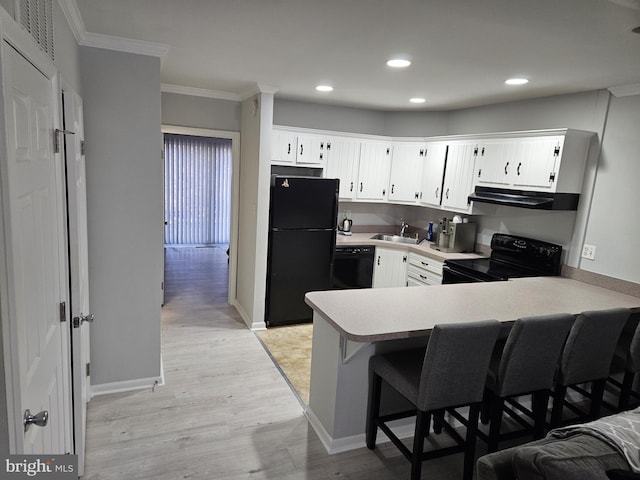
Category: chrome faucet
[403,227]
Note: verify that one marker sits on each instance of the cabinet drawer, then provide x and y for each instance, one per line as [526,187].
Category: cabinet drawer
[426,264]
[422,276]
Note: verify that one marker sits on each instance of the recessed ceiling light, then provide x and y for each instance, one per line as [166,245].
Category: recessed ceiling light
[398,62]
[516,81]
[324,88]
[417,100]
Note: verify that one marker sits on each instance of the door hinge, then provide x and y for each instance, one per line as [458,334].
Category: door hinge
[552,177]
[556,151]
[88,369]
[63,312]
[56,138]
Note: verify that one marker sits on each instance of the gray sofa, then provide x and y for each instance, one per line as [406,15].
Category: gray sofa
[579,457]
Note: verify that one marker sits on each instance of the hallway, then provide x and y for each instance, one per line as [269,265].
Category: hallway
[225,411]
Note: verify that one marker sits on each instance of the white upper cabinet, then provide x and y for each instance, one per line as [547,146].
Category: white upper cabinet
[432,174]
[373,170]
[290,148]
[458,178]
[406,171]
[544,163]
[342,163]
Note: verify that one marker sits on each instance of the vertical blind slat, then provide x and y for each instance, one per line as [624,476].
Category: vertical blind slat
[197,190]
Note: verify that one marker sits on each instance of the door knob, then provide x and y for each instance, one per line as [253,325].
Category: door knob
[39,419]
[77,321]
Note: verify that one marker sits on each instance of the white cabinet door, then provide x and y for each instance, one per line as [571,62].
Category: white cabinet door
[458,180]
[390,269]
[538,163]
[373,171]
[311,150]
[495,163]
[283,147]
[342,163]
[406,170]
[432,173]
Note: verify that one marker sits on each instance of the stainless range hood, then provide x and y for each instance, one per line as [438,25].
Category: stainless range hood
[526,199]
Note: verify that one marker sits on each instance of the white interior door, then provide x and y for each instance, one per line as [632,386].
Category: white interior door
[78,263]
[36,259]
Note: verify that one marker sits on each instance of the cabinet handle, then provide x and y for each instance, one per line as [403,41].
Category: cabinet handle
[351,188]
[301,147]
[321,145]
[422,277]
[289,149]
[446,194]
[361,186]
[518,169]
[437,192]
[479,172]
[418,195]
[424,263]
[378,259]
[506,168]
[321,156]
[384,192]
[482,154]
[393,186]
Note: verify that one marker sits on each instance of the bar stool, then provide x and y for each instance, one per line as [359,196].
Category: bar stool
[526,365]
[450,373]
[586,358]
[626,361]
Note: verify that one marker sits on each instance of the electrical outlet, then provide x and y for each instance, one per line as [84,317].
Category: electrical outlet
[589,251]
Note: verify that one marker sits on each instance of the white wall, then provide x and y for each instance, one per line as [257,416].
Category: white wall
[121,94]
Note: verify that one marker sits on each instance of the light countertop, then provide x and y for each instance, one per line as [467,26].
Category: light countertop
[376,314]
[423,248]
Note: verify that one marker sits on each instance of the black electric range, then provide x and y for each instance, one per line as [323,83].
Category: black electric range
[511,257]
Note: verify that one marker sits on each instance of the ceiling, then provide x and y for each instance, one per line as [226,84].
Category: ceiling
[462,51]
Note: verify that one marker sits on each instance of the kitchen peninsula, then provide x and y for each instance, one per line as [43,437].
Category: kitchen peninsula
[352,325]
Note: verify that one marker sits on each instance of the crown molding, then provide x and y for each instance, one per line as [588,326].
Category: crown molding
[127,45]
[74,19]
[625,90]
[200,92]
[97,40]
[258,88]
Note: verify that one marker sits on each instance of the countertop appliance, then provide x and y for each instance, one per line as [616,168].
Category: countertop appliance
[459,237]
[353,266]
[512,256]
[303,216]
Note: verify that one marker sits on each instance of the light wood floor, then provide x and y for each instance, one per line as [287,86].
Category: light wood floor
[225,411]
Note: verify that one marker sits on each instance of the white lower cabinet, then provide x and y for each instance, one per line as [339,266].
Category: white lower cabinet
[390,268]
[423,271]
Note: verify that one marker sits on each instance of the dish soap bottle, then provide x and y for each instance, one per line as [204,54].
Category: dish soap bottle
[430,232]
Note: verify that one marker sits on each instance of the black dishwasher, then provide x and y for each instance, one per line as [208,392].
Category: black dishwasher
[353,266]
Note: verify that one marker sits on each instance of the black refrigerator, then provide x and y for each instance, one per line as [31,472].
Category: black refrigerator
[302,238]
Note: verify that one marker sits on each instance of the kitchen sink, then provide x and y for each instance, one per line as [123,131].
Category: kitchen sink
[396,238]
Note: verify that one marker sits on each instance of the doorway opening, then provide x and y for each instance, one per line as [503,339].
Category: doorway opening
[201,192]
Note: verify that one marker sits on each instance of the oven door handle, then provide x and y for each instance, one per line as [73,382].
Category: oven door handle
[457,273]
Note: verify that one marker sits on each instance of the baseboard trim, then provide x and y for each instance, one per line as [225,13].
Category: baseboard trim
[127,385]
[251,325]
[402,428]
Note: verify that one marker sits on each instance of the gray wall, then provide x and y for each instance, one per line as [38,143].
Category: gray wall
[125,210]
[614,222]
[199,112]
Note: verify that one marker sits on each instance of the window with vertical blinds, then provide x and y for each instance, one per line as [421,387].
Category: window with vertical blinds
[197,197]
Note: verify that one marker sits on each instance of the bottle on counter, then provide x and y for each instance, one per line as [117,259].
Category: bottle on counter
[430,232]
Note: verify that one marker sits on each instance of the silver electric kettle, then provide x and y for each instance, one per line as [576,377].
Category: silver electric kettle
[346,225]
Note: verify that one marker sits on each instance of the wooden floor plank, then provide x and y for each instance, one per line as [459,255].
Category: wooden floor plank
[225,411]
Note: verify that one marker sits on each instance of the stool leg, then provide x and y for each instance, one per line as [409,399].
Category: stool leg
[558,405]
[422,426]
[485,410]
[497,407]
[597,392]
[625,391]
[470,442]
[540,403]
[373,410]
